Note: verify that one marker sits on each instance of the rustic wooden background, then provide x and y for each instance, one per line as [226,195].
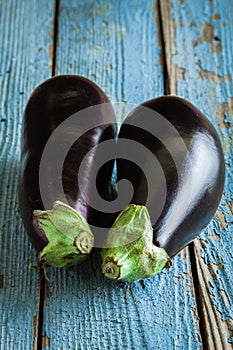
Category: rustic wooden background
[134,50]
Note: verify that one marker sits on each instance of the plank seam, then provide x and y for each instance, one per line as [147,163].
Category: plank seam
[41,312]
[167,89]
[55,36]
[166,82]
[39,344]
[197,295]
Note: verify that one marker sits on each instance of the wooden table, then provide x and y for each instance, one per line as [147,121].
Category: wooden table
[134,50]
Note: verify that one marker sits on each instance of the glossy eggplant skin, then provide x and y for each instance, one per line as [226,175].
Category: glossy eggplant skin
[201,171]
[51,103]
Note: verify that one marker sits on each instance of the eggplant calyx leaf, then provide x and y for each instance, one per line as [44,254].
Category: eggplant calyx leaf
[129,253]
[70,239]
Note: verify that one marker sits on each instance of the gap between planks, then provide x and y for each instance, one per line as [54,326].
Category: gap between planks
[55,36]
[213,328]
[166,82]
[38,340]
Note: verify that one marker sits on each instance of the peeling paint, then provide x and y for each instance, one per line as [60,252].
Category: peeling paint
[207,32]
[220,217]
[221,300]
[215,16]
[45,341]
[35,332]
[224,111]
[208,36]
[51,45]
[215,236]
[180,72]
[230,207]
[50,53]
[224,297]
[216,47]
[204,74]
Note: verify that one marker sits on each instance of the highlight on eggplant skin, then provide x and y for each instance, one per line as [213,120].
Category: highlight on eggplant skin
[61,234]
[194,184]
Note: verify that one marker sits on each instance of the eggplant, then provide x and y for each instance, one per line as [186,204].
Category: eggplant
[59,222]
[175,198]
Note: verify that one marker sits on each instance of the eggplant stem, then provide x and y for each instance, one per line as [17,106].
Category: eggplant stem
[129,253]
[111,270]
[84,242]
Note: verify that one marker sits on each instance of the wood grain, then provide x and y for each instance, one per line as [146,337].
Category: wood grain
[25,28]
[199,59]
[117,45]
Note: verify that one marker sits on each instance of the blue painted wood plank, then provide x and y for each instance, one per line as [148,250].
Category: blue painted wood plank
[116,44]
[198,40]
[25,28]
[113,44]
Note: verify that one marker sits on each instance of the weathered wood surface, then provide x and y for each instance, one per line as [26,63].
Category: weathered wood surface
[25,39]
[199,53]
[117,45]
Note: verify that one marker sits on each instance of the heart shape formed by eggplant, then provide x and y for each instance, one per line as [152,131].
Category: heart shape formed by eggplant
[171,154]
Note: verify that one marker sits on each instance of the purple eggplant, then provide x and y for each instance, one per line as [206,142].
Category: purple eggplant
[169,211]
[60,230]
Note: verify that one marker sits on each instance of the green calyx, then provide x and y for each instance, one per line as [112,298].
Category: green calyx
[129,252]
[69,235]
